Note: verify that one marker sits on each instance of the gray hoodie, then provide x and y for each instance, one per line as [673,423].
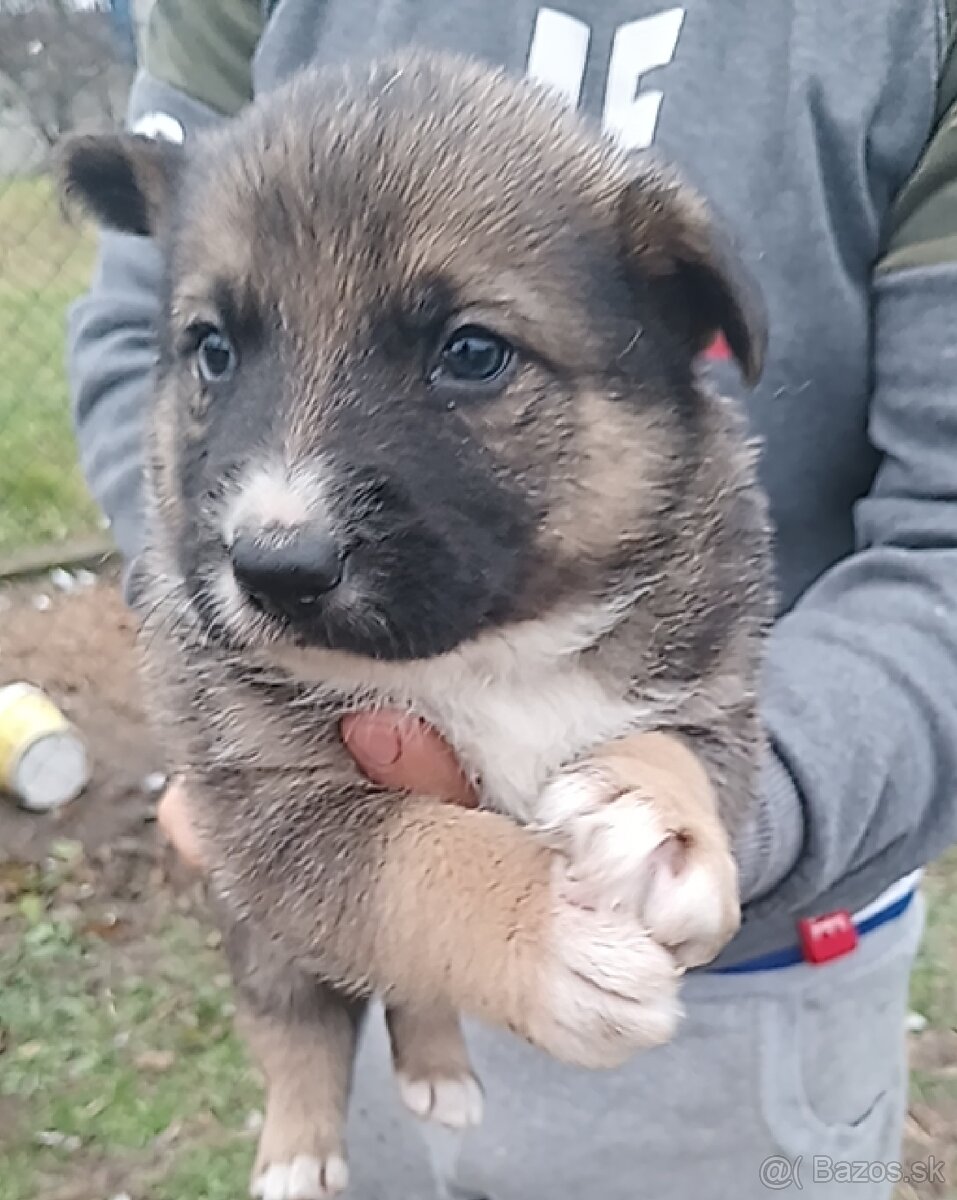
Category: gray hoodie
[825,134]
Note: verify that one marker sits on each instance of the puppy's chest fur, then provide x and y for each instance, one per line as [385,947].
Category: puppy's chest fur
[514,733]
[515,707]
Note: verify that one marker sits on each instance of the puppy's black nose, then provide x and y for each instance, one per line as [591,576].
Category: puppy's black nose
[287,577]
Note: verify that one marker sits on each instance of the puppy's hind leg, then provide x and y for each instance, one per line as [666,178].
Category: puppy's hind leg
[437,1085]
[303,1035]
[432,1066]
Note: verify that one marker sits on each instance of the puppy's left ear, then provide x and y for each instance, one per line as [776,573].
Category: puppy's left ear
[125,181]
[671,241]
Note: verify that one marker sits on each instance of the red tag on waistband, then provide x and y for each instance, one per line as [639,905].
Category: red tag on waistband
[827,937]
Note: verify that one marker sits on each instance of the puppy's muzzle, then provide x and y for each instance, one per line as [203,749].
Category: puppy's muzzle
[290,573]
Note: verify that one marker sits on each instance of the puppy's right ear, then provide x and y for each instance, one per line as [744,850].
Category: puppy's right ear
[670,237]
[123,180]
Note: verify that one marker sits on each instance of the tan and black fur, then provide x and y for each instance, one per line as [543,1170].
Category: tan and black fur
[563,568]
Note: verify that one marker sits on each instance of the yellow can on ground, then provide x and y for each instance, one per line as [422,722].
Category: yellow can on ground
[43,759]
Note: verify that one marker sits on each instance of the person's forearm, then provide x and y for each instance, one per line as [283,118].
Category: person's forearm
[111,349]
[860,691]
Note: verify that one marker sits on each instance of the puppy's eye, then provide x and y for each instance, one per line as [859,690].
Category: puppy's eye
[473,355]
[216,358]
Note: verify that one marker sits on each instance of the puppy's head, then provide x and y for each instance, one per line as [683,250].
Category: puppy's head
[426,354]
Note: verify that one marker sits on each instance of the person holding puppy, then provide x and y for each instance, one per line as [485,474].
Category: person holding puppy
[826,139]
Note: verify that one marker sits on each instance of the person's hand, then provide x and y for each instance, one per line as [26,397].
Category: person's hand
[173,817]
[392,750]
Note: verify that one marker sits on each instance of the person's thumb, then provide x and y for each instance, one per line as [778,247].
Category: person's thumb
[397,751]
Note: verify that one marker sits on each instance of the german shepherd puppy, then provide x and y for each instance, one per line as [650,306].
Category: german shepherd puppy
[427,432]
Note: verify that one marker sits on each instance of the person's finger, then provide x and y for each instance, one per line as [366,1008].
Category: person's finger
[174,820]
[397,751]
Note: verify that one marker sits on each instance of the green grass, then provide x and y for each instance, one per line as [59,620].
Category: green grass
[934,982]
[124,1046]
[44,264]
[126,1054]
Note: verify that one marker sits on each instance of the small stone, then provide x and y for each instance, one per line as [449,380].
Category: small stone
[53,1139]
[154,783]
[154,1061]
[42,602]
[84,578]
[67,914]
[916,1022]
[67,850]
[253,1122]
[62,580]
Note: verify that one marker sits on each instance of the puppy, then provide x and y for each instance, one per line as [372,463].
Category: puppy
[428,433]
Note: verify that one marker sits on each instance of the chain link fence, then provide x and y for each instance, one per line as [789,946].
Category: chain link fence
[64,64]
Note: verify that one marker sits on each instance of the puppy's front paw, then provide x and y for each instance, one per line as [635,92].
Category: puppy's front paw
[607,989]
[646,840]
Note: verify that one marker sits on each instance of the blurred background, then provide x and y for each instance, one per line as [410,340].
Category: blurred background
[64,64]
[120,1076]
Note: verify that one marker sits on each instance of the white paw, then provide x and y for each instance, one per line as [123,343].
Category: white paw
[669,865]
[304,1178]
[611,989]
[454,1102]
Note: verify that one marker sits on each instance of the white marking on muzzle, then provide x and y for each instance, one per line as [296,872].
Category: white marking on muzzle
[275,496]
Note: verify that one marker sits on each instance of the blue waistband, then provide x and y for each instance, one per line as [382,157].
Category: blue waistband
[775,960]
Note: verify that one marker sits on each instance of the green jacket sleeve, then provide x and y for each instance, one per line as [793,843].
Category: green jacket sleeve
[204,48]
[922,231]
